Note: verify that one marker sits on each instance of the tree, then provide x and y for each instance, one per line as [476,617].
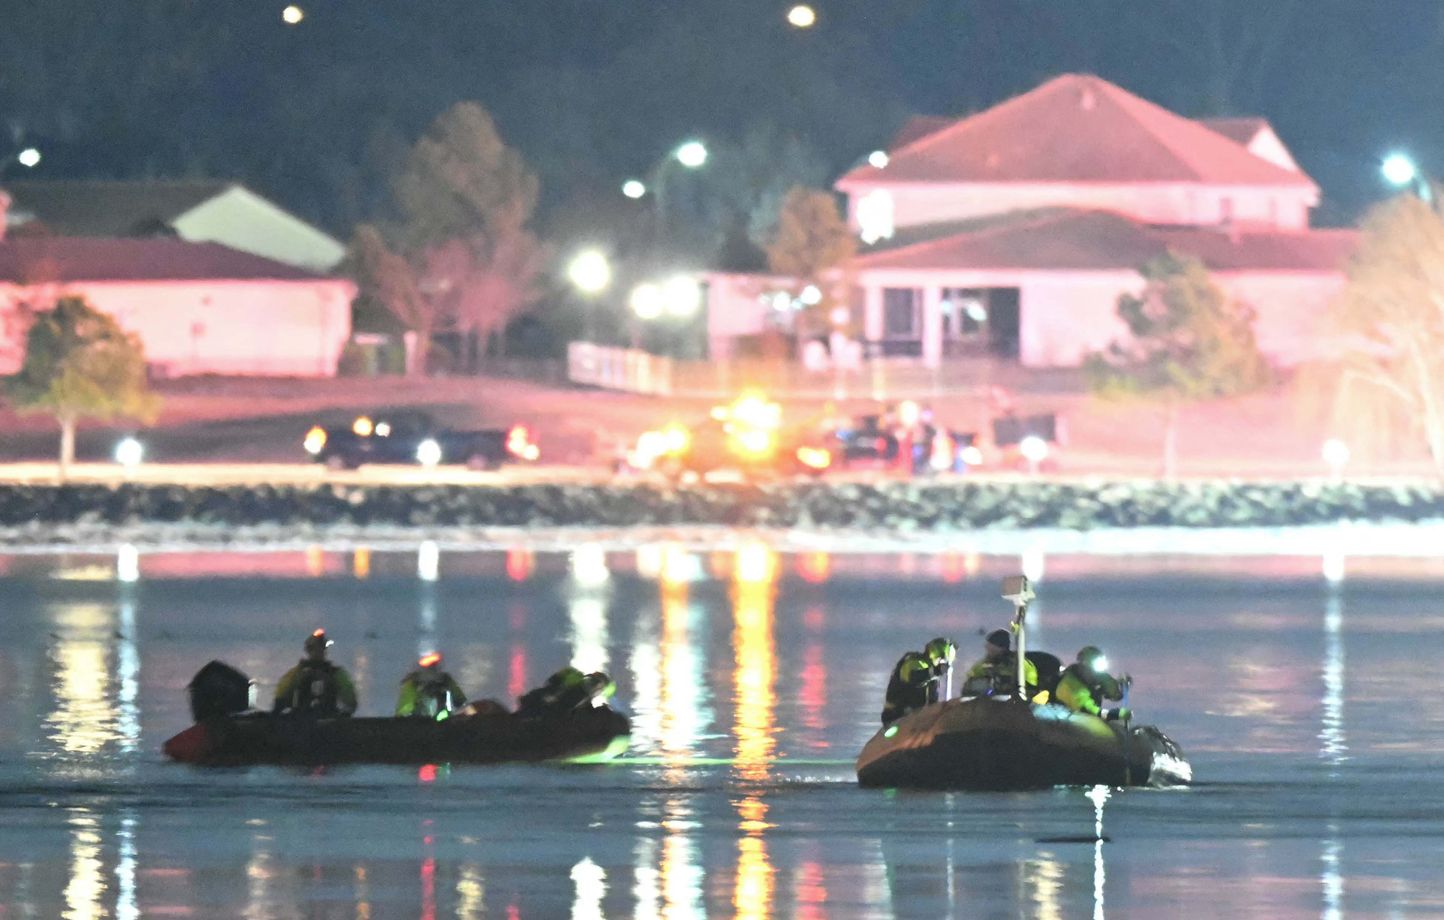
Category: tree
[383,276]
[1188,341]
[1388,324]
[463,202]
[810,240]
[79,364]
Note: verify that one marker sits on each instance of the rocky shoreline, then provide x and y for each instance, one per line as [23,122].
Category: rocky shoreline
[31,514]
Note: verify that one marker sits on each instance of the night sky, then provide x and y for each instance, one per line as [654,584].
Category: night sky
[318,114]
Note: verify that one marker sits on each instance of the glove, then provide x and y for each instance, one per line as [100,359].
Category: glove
[1122,713]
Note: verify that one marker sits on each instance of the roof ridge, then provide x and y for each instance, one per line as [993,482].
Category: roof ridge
[971,119]
[1143,112]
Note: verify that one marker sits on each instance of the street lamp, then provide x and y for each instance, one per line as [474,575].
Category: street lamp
[590,271]
[1400,171]
[647,301]
[802,16]
[29,157]
[292,15]
[634,188]
[692,154]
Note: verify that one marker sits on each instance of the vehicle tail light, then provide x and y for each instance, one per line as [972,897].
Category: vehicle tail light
[817,458]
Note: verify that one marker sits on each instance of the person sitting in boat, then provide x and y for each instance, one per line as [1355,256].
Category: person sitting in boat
[316,686]
[566,690]
[916,679]
[1086,683]
[429,692]
[996,673]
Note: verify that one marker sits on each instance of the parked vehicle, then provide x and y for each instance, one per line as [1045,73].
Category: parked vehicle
[413,437]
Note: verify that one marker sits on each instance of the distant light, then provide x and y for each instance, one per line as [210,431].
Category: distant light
[127,564]
[590,271]
[589,566]
[1399,169]
[875,216]
[634,188]
[129,452]
[802,16]
[1033,448]
[811,295]
[646,301]
[428,452]
[841,316]
[362,427]
[878,159]
[692,154]
[428,560]
[293,14]
[29,157]
[682,296]
[1336,452]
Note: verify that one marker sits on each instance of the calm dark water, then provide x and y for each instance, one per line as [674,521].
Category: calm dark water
[1311,709]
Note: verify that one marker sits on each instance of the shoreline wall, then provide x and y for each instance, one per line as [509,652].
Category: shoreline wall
[892,507]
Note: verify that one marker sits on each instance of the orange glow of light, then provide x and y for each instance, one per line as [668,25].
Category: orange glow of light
[362,427]
[516,671]
[752,897]
[429,659]
[315,561]
[361,563]
[813,692]
[755,662]
[953,568]
[682,683]
[811,891]
[520,563]
[814,567]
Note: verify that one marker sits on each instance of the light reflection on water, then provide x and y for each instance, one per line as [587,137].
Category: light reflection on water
[752,679]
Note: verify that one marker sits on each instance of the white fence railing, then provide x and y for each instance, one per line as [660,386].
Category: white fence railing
[627,369]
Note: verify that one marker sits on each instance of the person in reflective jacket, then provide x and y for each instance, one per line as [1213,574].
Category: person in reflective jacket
[315,686]
[916,678]
[566,690]
[429,692]
[1086,683]
[996,673]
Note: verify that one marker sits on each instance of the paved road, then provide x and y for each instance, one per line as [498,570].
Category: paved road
[221,474]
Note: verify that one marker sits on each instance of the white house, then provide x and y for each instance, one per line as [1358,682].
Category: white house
[1013,232]
[198,308]
[200,211]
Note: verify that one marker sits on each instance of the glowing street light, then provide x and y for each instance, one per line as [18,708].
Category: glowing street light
[1399,169]
[802,16]
[29,158]
[590,271]
[878,159]
[634,188]
[292,15]
[692,154]
[682,297]
[647,301]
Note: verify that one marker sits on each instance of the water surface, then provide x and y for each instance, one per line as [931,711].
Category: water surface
[1310,707]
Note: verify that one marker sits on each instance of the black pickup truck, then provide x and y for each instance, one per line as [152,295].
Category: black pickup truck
[412,437]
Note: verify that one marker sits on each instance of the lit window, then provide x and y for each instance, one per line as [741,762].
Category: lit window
[875,216]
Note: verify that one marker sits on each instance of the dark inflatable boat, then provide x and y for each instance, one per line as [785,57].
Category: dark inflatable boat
[1004,743]
[227,734]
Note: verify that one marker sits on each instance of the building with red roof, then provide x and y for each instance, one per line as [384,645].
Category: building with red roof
[1012,232]
[198,308]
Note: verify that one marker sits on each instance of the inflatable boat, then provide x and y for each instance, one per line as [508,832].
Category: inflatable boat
[1004,743]
[229,733]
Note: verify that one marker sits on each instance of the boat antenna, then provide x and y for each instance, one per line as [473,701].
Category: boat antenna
[1018,591]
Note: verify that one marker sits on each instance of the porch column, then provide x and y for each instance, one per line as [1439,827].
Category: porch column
[932,326]
[872,313]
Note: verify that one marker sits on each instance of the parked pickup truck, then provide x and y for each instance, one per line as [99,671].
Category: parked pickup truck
[409,436]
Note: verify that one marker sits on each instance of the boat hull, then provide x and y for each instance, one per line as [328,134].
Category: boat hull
[260,738]
[992,744]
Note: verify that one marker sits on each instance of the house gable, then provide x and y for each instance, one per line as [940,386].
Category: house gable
[241,219]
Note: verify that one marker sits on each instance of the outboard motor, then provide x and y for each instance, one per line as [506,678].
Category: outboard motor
[220,690]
